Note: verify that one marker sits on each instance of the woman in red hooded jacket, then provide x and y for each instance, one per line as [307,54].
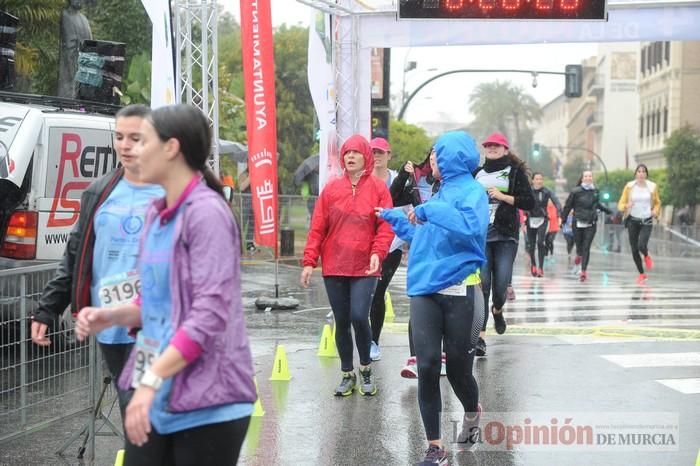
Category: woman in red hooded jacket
[353,242]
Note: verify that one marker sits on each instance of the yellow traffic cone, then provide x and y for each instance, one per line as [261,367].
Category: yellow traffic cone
[389,314]
[280,371]
[326,346]
[119,460]
[257,408]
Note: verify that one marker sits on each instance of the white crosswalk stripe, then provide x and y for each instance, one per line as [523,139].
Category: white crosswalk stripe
[685,385]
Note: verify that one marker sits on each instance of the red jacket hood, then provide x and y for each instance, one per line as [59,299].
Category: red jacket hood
[359,144]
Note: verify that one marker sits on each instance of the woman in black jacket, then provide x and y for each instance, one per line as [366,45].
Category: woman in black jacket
[584,201]
[506,181]
[538,223]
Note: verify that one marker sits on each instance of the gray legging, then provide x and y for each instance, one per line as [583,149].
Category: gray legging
[350,299]
[497,273]
[455,322]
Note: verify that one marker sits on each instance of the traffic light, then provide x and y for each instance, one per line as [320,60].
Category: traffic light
[574,78]
[536,150]
[606,196]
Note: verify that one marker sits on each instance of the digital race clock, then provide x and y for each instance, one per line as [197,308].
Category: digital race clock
[502,9]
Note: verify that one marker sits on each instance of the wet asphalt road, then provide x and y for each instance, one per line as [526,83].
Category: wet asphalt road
[604,349]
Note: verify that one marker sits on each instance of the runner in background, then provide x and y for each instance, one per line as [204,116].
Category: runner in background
[382,154]
[414,185]
[538,224]
[504,176]
[99,266]
[584,200]
[553,213]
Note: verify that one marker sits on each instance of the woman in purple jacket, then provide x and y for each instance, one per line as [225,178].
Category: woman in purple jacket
[191,366]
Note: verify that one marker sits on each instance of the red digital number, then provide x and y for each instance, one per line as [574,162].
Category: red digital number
[544,4]
[487,4]
[452,5]
[511,5]
[569,5]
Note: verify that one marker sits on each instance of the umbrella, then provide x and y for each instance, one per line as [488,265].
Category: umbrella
[235,151]
[307,169]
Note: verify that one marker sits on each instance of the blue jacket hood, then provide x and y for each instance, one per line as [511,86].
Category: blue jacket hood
[456,154]
[450,243]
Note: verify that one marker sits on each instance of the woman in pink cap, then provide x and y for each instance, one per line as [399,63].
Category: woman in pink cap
[504,176]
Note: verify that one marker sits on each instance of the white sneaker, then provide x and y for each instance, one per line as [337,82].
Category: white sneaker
[375,353]
[410,371]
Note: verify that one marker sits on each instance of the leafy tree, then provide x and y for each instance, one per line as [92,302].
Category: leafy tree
[500,106]
[543,163]
[682,154]
[295,111]
[122,21]
[138,81]
[572,170]
[408,142]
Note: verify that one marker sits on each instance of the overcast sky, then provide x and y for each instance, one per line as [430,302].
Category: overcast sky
[447,98]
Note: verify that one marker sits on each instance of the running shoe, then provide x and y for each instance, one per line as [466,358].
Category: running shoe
[471,433]
[250,247]
[583,276]
[443,365]
[648,263]
[375,353]
[499,321]
[481,347]
[510,293]
[577,260]
[410,370]
[533,271]
[367,385]
[642,279]
[540,273]
[347,384]
[434,455]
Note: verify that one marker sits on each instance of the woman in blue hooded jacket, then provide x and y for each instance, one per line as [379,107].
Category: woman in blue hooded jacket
[448,239]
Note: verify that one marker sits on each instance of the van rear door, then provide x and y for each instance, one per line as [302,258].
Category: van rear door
[79,151]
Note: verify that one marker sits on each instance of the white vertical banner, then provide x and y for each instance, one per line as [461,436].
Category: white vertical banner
[322,88]
[162,65]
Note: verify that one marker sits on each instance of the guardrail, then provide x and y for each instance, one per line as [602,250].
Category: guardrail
[41,386]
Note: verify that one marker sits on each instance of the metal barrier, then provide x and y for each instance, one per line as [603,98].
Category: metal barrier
[294,213]
[40,386]
[662,242]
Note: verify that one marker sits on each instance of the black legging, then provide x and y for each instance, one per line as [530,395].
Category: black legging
[584,238]
[549,242]
[376,314]
[457,320]
[537,237]
[639,232]
[569,243]
[210,444]
[497,273]
[350,299]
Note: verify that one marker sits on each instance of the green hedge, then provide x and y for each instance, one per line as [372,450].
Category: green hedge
[618,178]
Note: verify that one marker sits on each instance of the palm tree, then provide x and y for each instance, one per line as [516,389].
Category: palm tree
[504,107]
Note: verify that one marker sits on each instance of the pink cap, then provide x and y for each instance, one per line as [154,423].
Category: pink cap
[497,138]
[380,144]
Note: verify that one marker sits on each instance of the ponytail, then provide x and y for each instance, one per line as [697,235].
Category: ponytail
[212,181]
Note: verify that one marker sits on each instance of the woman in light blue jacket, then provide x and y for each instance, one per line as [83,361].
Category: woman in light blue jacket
[448,239]
[191,367]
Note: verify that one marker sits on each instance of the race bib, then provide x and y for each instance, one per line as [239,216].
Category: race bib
[536,222]
[455,290]
[119,289]
[582,224]
[146,351]
[492,212]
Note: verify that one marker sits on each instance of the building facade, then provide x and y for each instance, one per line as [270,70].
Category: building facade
[669,94]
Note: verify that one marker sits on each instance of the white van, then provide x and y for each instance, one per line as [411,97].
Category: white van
[51,149]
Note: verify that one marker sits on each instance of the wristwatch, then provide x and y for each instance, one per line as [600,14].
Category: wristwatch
[150,379]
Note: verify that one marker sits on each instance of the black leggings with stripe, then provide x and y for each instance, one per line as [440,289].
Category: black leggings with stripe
[456,320]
